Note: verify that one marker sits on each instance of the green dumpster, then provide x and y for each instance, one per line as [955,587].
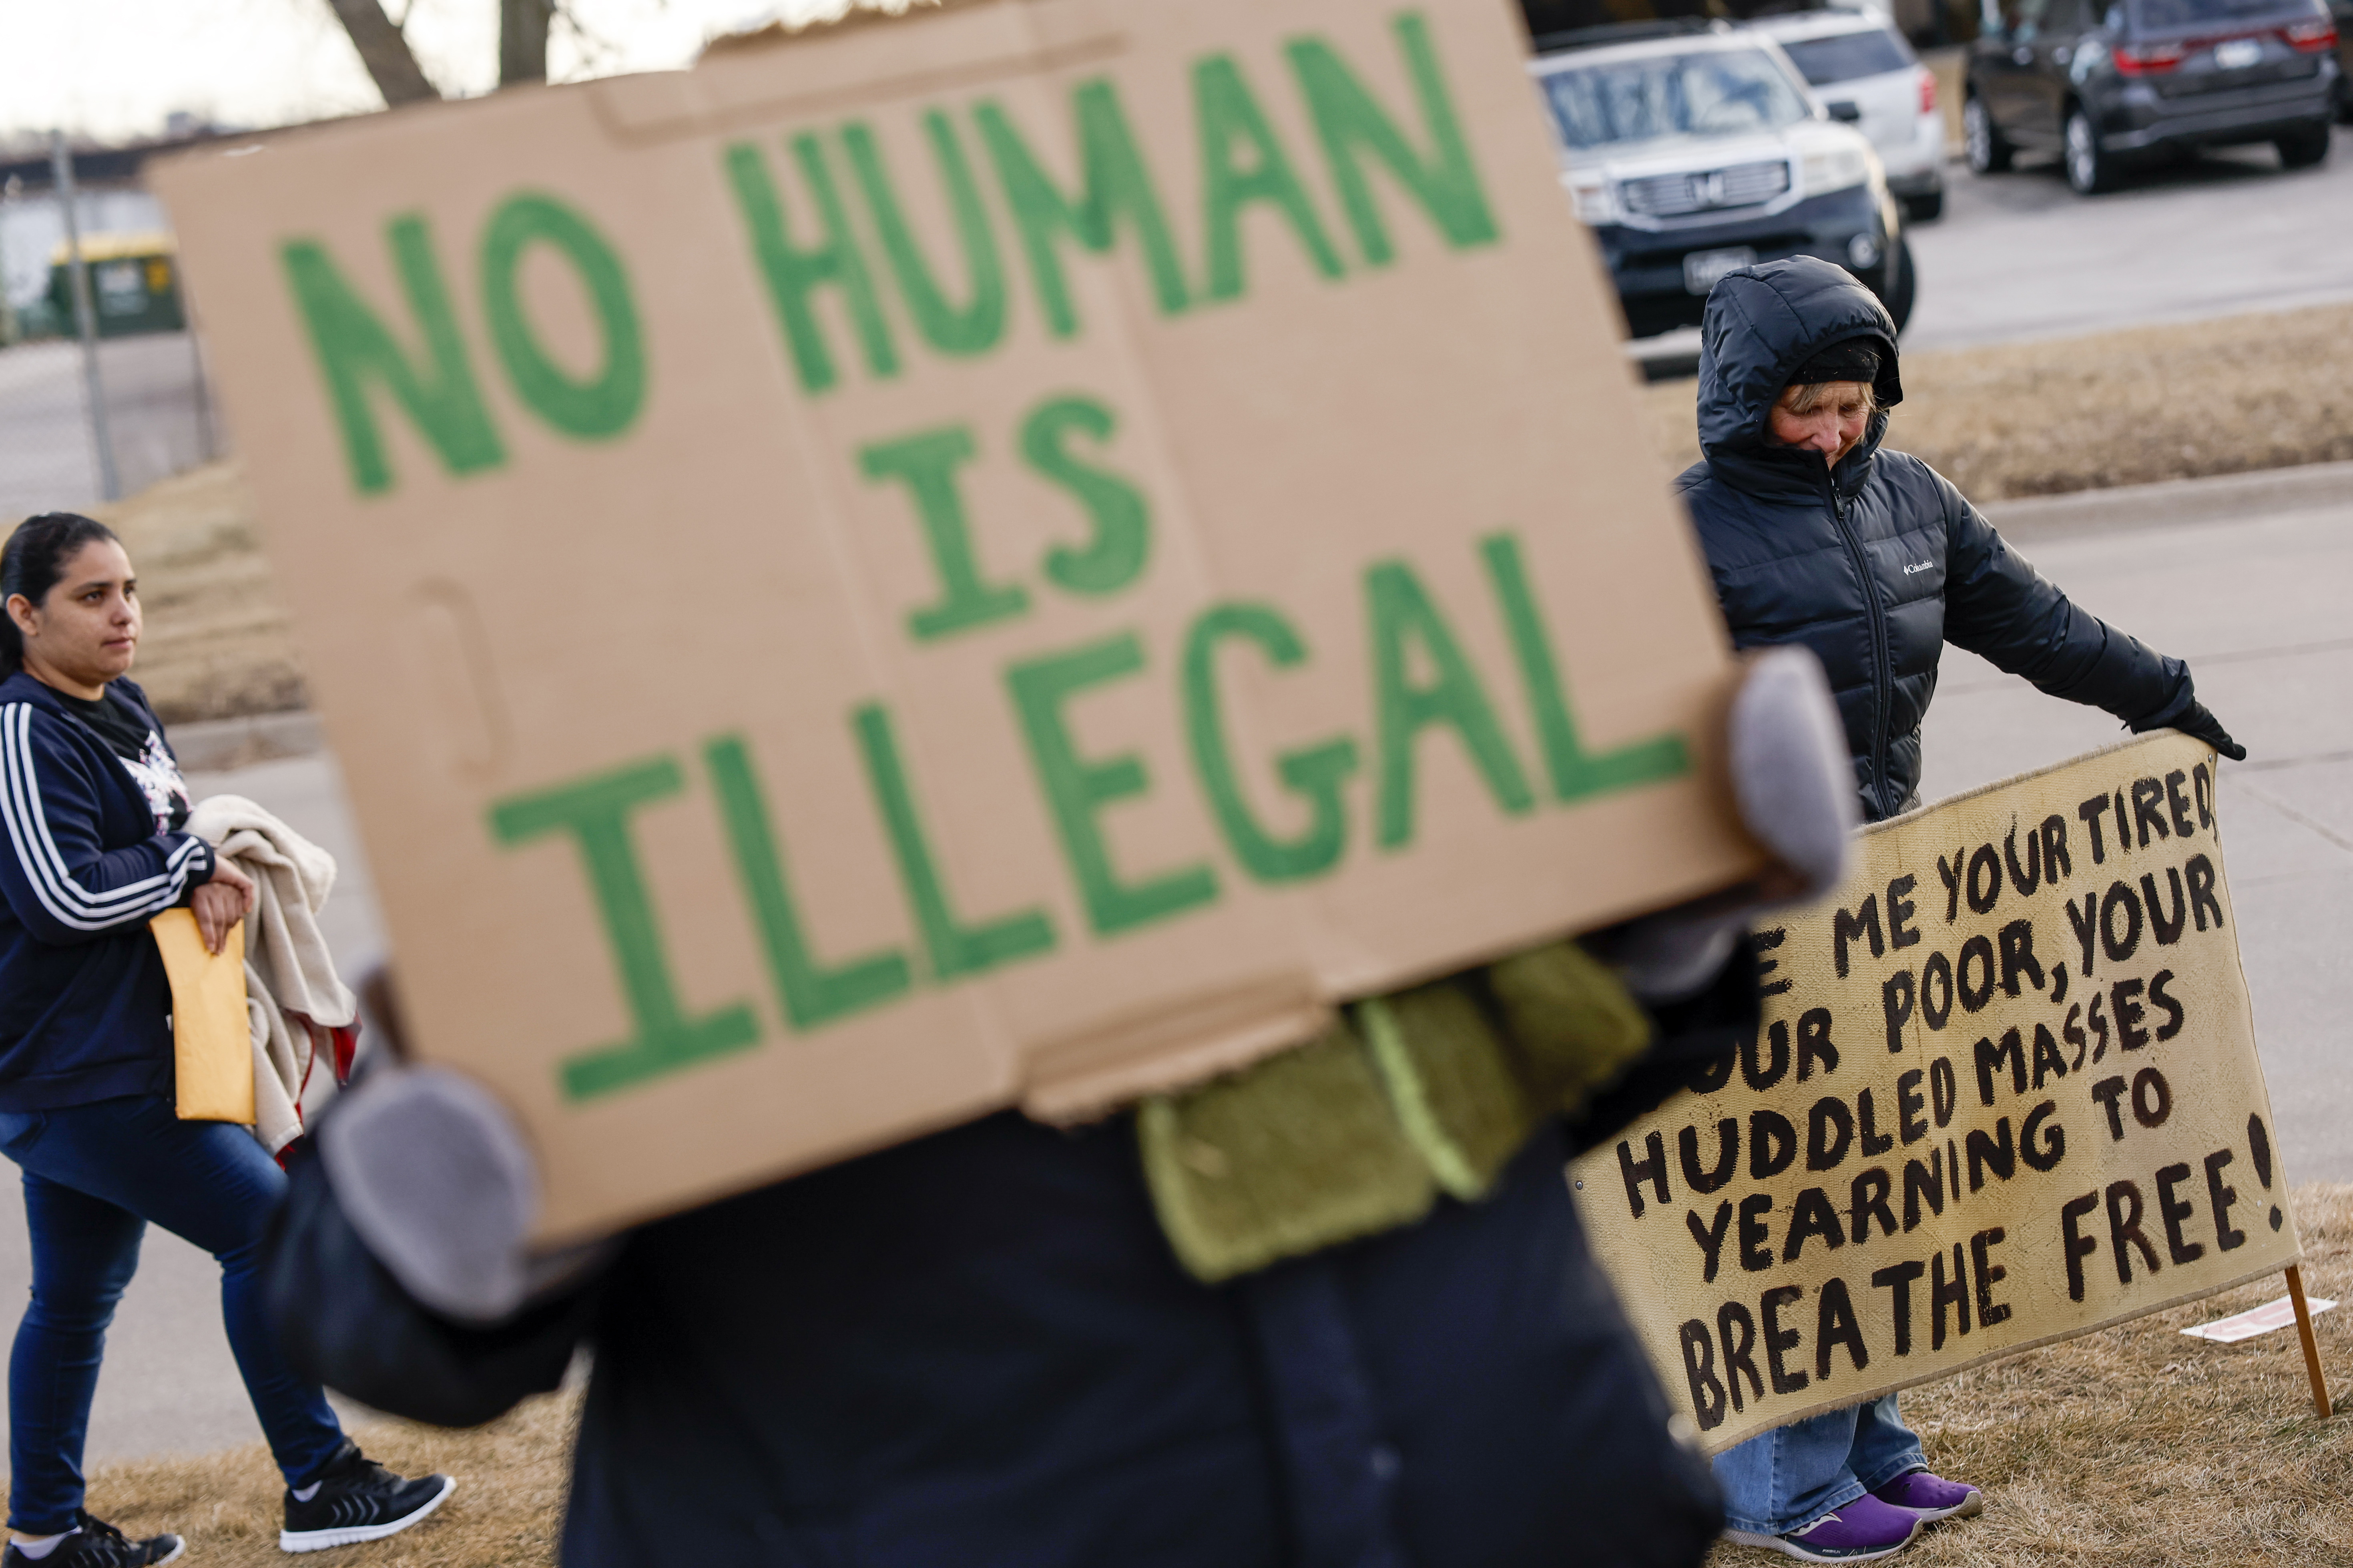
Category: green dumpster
[135,284]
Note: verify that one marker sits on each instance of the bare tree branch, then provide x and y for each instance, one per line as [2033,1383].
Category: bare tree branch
[384,51]
[522,40]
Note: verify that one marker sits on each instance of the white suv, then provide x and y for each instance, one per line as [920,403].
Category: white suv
[1693,148]
[1854,56]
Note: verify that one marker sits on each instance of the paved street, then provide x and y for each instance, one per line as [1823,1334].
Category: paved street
[2021,256]
[2254,602]
[159,424]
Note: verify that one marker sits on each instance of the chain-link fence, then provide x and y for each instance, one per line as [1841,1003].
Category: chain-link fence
[100,397]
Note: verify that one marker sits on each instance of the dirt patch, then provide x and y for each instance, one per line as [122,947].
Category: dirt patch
[2121,408]
[2134,1447]
[217,642]
[2118,408]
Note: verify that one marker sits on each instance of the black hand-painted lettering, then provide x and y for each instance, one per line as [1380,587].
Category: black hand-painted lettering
[1811,1214]
[1896,996]
[1989,1275]
[1868,1200]
[1829,1128]
[1772,1145]
[2124,1001]
[1652,1169]
[2221,1198]
[2090,812]
[1942,1295]
[1814,1043]
[2124,1226]
[1738,1356]
[2173,1211]
[1710,1237]
[2028,876]
[1996,1153]
[1778,1340]
[1990,1056]
[1756,1238]
[2017,956]
[2178,804]
[2119,896]
[1850,928]
[1835,1324]
[2043,1154]
[2108,1093]
[1699,1369]
[2075,1245]
[1866,1121]
[1727,1155]
[1896,1280]
[2174,1015]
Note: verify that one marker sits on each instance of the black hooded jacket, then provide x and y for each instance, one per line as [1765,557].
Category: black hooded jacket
[1875,565]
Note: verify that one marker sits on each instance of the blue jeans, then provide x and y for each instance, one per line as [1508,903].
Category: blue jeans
[94,1177]
[1786,1479]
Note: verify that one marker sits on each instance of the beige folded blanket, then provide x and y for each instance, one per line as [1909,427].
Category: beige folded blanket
[293,995]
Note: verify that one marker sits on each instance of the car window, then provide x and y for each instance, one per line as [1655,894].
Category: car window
[2156,14]
[1842,57]
[1722,92]
[2021,19]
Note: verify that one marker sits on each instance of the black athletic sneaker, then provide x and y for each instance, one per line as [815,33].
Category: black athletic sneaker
[358,1500]
[98,1544]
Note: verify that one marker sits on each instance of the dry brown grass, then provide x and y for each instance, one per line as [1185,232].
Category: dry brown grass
[217,642]
[504,1514]
[2226,396]
[2134,1447]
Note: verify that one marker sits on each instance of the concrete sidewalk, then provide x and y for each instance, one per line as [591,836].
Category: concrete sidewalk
[2247,577]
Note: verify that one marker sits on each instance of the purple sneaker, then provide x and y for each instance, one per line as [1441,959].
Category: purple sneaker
[1928,1496]
[1860,1531]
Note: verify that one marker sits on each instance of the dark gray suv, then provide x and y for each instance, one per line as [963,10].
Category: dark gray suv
[2109,83]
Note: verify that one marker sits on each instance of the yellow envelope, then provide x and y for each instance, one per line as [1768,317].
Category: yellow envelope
[212,1041]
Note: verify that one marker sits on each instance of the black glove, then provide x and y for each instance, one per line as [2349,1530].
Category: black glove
[2199,725]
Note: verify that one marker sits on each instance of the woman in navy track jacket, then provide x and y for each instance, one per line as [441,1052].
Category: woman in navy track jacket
[94,813]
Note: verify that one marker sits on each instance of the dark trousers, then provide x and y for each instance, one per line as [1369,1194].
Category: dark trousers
[95,1176]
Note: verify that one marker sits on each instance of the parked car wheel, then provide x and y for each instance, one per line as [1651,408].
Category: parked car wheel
[2302,151]
[1899,285]
[1989,151]
[2089,170]
[1925,209]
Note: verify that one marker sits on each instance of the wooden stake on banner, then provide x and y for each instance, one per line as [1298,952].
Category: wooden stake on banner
[2311,1346]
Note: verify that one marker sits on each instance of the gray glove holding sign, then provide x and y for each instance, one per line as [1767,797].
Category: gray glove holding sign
[438,1182]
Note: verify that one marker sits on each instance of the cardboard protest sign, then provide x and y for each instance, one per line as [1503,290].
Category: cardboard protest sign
[2005,1092]
[1009,557]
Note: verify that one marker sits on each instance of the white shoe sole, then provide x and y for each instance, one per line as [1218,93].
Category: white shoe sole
[174,1557]
[1782,1543]
[1968,1509]
[351,1535]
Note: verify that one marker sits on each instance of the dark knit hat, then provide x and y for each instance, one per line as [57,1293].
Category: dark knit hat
[1856,359]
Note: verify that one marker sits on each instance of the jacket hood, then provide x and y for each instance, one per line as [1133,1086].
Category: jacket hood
[1762,323]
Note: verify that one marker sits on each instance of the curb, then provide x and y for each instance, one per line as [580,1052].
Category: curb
[2221,498]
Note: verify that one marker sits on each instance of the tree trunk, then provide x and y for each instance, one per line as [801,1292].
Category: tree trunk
[384,52]
[522,40]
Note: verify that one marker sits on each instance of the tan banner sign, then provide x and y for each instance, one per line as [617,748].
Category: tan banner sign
[2005,1091]
[1011,556]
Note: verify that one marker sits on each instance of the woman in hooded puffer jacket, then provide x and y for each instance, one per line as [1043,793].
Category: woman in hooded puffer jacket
[1816,535]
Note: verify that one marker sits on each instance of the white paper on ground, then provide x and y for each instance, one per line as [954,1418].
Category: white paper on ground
[2255,1321]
